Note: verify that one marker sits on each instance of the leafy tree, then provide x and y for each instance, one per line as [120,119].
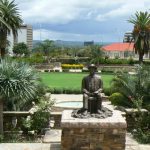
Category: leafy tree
[18,84]
[21,48]
[47,46]
[84,52]
[141,33]
[96,53]
[10,21]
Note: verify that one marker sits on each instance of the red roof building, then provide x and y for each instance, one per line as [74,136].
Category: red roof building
[121,50]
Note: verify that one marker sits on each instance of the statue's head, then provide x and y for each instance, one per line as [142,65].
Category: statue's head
[92,69]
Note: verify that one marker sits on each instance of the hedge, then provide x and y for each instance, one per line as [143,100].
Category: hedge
[72,66]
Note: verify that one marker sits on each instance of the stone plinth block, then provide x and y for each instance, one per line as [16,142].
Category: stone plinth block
[93,133]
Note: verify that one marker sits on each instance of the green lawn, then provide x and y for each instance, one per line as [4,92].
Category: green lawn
[69,80]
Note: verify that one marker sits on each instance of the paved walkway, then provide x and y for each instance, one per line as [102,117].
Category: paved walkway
[53,143]
[66,97]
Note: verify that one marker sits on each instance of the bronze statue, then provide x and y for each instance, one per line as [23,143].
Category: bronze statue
[92,87]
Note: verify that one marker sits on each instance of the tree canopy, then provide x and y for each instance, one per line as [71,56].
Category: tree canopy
[141,33]
[21,48]
[10,21]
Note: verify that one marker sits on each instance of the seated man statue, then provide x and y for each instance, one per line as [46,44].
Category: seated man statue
[92,88]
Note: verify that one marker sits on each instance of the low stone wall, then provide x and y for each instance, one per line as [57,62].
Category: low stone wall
[56,116]
[93,133]
[8,117]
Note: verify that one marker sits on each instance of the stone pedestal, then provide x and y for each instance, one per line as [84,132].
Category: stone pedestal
[93,133]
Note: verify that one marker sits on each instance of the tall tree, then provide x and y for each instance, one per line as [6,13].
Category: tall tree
[47,46]
[96,53]
[141,33]
[10,21]
[21,48]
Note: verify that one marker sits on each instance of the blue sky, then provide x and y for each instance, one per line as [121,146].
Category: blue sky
[80,20]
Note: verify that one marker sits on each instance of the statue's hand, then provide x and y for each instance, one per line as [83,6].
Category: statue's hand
[91,94]
[86,92]
[96,92]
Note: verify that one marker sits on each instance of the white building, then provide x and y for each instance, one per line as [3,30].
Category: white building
[25,34]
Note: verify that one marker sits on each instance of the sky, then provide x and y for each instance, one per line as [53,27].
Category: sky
[80,20]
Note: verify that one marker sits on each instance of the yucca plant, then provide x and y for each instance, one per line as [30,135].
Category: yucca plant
[18,83]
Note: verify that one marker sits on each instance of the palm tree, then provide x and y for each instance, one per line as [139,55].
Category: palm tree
[10,21]
[47,46]
[141,33]
[18,83]
[96,53]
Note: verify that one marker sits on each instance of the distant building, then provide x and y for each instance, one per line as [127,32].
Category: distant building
[120,50]
[128,37]
[25,34]
[88,43]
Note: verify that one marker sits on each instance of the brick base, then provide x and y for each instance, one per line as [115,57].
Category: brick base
[93,134]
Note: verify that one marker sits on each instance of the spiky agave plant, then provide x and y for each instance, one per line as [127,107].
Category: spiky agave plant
[18,82]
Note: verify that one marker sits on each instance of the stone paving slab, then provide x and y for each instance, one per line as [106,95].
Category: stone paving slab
[67,97]
[29,146]
[52,135]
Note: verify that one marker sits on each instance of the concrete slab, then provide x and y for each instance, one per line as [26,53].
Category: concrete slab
[52,136]
[130,141]
[29,146]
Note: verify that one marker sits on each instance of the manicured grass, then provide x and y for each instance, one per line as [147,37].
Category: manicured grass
[69,80]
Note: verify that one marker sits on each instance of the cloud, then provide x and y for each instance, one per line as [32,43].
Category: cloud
[127,9]
[62,11]
[48,34]
[79,19]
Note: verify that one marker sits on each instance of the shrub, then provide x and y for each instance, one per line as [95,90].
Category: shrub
[108,61]
[72,66]
[141,131]
[40,119]
[31,60]
[63,91]
[118,99]
[107,91]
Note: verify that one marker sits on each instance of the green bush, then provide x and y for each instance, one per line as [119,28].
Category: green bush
[40,119]
[64,91]
[72,91]
[72,66]
[118,99]
[141,131]
[31,60]
[108,61]
[107,91]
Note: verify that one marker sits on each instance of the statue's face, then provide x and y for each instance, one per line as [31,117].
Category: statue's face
[92,71]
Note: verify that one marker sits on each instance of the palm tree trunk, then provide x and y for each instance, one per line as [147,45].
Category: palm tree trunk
[3,52]
[140,58]
[1,116]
